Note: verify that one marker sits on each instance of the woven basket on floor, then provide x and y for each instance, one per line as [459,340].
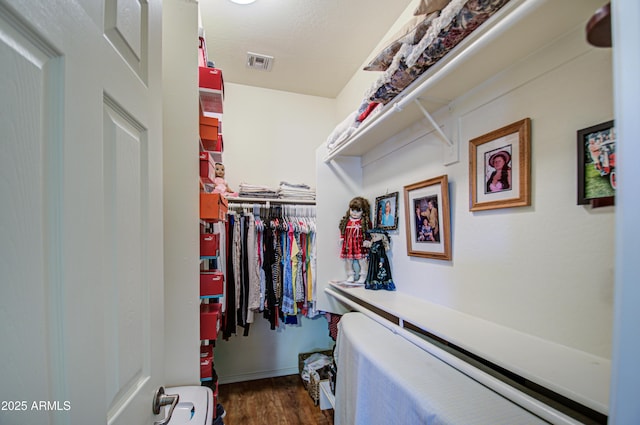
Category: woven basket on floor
[314,389]
[313,386]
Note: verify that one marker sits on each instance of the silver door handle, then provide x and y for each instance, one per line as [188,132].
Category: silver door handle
[161,399]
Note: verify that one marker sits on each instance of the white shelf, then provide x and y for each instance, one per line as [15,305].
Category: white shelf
[327,398]
[575,374]
[519,29]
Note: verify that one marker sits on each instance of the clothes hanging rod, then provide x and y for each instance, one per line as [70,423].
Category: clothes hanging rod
[241,200]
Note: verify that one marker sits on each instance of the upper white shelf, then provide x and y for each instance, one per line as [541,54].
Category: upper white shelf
[519,29]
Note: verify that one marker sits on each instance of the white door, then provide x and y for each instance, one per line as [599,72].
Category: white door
[81,294]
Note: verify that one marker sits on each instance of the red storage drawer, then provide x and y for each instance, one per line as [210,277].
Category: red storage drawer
[213,206]
[211,90]
[209,130]
[210,78]
[211,283]
[209,244]
[209,319]
[206,362]
[207,166]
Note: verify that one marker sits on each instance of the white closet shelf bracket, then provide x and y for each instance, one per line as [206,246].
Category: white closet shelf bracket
[433,122]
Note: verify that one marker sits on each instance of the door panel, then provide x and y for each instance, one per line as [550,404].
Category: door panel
[81,299]
[30,289]
[127,361]
[126,27]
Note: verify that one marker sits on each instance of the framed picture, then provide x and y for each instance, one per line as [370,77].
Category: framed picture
[597,164]
[500,168]
[387,211]
[426,206]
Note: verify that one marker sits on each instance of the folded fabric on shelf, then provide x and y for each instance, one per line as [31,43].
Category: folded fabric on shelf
[297,191]
[256,191]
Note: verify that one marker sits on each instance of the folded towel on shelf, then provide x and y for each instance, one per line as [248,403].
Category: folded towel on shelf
[256,191]
[287,185]
[297,191]
[297,195]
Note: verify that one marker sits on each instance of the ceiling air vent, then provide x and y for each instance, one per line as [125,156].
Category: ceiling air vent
[259,62]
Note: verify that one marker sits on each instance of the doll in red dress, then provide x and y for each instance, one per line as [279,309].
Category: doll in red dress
[353,227]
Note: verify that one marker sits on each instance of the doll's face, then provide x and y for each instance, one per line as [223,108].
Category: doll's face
[219,170]
[355,213]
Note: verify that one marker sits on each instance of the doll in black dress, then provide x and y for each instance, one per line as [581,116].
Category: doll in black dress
[379,271]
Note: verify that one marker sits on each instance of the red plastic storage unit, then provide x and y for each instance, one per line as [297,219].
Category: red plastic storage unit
[211,89]
[209,321]
[211,283]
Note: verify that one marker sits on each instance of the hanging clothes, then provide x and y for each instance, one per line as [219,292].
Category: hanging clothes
[270,266]
[253,259]
[229,322]
[288,246]
[269,255]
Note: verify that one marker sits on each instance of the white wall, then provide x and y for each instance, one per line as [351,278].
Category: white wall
[547,269]
[181,229]
[266,353]
[271,136]
[537,270]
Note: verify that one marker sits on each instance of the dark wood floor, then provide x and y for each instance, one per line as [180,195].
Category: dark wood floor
[282,401]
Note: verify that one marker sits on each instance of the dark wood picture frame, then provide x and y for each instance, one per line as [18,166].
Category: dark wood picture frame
[597,164]
[427,218]
[381,220]
[500,168]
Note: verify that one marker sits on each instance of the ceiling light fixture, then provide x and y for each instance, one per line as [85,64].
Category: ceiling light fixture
[243,1]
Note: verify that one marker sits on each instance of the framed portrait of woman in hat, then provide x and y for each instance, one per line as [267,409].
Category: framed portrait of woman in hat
[500,168]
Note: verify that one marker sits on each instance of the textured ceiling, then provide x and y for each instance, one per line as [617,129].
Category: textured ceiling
[317,44]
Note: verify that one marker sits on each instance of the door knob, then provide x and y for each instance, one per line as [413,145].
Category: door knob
[161,399]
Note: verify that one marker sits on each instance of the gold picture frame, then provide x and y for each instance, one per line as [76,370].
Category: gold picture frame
[500,168]
[427,218]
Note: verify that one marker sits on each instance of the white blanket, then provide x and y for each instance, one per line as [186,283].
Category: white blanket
[384,379]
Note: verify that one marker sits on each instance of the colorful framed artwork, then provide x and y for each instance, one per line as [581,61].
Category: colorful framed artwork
[387,211]
[500,168]
[427,216]
[597,164]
